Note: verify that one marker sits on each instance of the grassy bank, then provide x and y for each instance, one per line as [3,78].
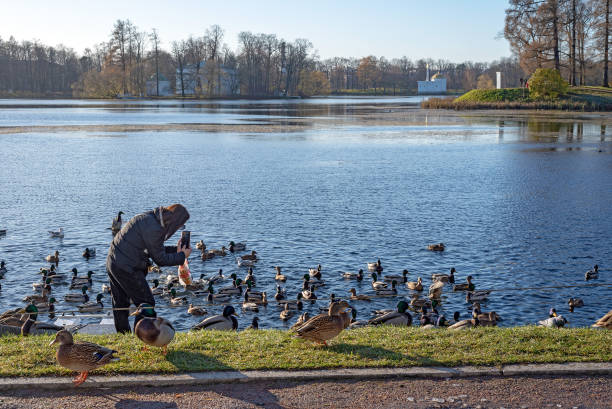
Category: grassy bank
[584,99]
[365,347]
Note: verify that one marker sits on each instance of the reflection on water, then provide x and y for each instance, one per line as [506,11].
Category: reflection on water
[519,200]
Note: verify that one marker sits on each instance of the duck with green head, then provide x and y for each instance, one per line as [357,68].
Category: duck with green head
[83,297]
[92,306]
[225,322]
[151,329]
[398,318]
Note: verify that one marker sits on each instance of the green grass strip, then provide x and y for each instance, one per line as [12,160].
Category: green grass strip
[364,347]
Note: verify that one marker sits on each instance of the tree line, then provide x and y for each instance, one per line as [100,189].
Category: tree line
[569,35]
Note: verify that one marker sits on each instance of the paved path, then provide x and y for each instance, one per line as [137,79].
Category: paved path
[565,391]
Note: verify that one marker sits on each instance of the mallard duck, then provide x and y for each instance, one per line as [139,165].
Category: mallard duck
[465,324]
[286,313]
[48,306]
[324,327]
[605,321]
[57,233]
[236,246]
[377,285]
[216,298]
[76,279]
[468,286]
[3,269]
[106,288]
[172,279]
[249,257]
[82,357]
[553,322]
[245,263]
[151,329]
[399,278]
[39,298]
[92,306]
[309,294]
[176,300]
[20,326]
[226,321]
[74,297]
[220,277]
[488,319]
[315,272]
[280,293]
[332,299]
[376,266]
[250,277]
[436,247]
[445,278]
[54,275]
[417,302]
[89,252]
[360,297]
[235,288]
[388,291]
[116,223]
[300,321]
[53,258]
[348,316]
[207,255]
[200,245]
[592,274]
[154,269]
[279,276]
[293,304]
[248,305]
[311,281]
[435,290]
[39,285]
[398,318]
[221,253]
[254,323]
[416,286]
[472,296]
[353,276]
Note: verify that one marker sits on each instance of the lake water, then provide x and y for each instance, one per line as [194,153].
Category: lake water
[520,200]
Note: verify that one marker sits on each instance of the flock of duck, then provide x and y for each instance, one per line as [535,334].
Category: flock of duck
[336,316]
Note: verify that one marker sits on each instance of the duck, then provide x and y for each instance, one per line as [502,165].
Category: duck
[207,255]
[57,233]
[435,290]
[445,278]
[200,245]
[417,302]
[226,321]
[388,291]
[332,299]
[557,321]
[116,223]
[417,286]
[151,329]
[250,277]
[395,277]
[377,285]
[302,319]
[235,288]
[48,306]
[156,289]
[481,295]
[249,257]
[311,281]
[489,319]
[592,274]
[360,297]
[92,306]
[89,252]
[39,298]
[465,324]
[196,310]
[254,324]
[574,303]
[468,286]
[76,279]
[82,357]
[279,276]
[399,318]
[286,313]
[3,269]
[375,267]
[309,294]
[245,263]
[53,258]
[219,298]
[353,276]
[219,277]
[154,269]
[236,246]
[280,293]
[39,285]
[315,272]
[324,327]
[53,274]
[106,288]
[293,304]
[604,322]
[248,305]
[176,300]
[221,253]
[73,297]
[436,247]
[172,279]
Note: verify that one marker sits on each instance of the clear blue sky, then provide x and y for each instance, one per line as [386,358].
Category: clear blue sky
[455,30]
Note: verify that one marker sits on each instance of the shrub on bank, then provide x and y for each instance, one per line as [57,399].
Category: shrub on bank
[547,84]
[494,95]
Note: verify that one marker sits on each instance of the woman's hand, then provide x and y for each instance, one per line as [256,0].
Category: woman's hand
[186,250]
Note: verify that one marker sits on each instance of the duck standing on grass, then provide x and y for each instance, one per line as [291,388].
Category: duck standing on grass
[82,357]
[324,327]
[151,329]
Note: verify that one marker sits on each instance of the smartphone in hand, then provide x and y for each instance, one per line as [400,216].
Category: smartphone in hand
[186,238]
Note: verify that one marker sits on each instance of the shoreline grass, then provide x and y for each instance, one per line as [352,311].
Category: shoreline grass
[360,348]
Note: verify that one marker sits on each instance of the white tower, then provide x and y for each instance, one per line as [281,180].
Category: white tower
[427,77]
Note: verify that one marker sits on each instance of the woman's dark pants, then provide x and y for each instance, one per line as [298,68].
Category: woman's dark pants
[128,288]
